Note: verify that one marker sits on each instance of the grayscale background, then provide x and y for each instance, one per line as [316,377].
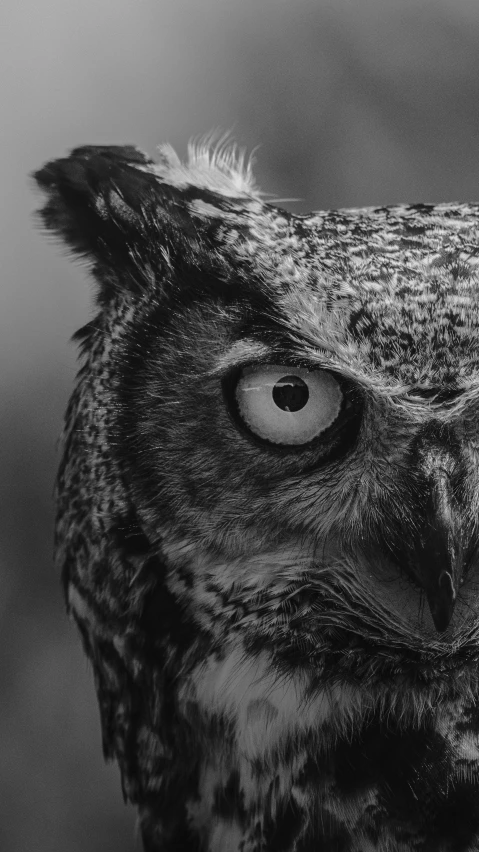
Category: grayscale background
[351,102]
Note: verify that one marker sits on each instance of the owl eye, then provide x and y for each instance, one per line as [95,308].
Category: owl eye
[287,405]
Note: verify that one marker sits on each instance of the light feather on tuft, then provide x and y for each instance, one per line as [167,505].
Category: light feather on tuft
[213,163]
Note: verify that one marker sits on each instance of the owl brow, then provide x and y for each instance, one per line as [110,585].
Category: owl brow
[250,351]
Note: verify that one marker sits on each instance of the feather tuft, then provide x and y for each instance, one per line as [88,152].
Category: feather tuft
[214,163]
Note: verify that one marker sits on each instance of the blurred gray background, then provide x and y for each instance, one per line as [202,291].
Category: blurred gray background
[351,102]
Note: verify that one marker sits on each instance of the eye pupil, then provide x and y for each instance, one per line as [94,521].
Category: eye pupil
[290,393]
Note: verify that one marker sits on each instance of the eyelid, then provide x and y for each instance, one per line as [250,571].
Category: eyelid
[223,370]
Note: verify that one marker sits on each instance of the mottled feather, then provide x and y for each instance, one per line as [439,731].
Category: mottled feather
[284,637]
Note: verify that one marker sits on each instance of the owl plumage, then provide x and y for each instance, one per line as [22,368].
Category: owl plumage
[268,507]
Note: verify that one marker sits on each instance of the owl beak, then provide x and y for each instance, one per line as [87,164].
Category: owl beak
[438,554]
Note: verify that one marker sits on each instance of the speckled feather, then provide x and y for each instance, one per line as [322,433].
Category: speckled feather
[268,674]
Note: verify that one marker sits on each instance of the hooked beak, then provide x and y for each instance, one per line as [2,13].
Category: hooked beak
[437,558]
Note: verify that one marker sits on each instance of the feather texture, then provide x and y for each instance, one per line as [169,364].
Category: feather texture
[284,633]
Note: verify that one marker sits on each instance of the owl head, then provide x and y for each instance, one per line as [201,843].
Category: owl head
[274,434]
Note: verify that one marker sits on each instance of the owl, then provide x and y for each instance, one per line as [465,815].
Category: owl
[268,506]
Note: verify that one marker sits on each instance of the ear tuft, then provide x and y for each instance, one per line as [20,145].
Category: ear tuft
[94,203]
[135,220]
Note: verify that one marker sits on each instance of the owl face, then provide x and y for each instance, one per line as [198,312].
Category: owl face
[270,477]
[300,385]
[308,509]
